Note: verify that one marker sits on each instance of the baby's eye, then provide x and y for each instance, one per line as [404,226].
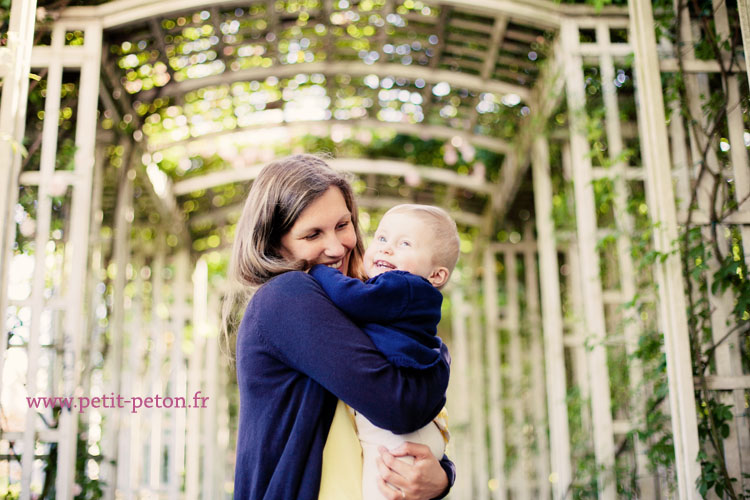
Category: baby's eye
[405,244]
[380,239]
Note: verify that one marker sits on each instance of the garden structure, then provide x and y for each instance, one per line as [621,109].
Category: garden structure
[594,156]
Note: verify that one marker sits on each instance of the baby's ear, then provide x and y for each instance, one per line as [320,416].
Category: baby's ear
[439,276]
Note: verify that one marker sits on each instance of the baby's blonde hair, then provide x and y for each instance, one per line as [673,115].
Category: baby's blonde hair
[446,244]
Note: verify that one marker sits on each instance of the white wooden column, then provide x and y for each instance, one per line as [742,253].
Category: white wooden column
[518,482]
[178,377]
[743,6]
[15,79]
[195,379]
[459,399]
[495,382]
[157,353]
[575,337]
[123,219]
[212,369]
[738,152]
[728,357]
[552,323]
[478,398]
[539,408]
[672,315]
[225,467]
[593,305]
[130,452]
[76,250]
[632,326]
[43,221]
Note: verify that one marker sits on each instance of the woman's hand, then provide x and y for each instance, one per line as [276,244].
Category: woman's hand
[422,480]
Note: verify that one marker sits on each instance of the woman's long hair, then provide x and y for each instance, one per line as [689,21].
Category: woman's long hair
[280,193]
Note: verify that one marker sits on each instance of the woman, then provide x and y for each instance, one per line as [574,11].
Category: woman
[297,354]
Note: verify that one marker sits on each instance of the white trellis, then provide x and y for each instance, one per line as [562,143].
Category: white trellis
[163,337]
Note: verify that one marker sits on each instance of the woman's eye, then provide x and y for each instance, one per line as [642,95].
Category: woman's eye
[342,225]
[311,236]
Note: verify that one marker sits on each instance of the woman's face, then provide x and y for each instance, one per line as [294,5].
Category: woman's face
[323,234]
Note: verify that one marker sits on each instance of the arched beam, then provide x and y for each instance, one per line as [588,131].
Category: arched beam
[412,72]
[539,13]
[353,165]
[414,129]
[368,202]
[542,14]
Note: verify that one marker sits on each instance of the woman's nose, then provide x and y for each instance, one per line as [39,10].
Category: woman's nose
[334,247]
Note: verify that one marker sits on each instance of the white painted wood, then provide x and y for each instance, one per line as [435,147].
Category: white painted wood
[632,326]
[593,307]
[577,339]
[671,65]
[225,456]
[156,365]
[212,369]
[495,393]
[743,7]
[77,253]
[655,153]
[296,129]
[478,396]
[412,72]
[539,13]
[459,402]
[114,364]
[552,325]
[42,236]
[518,482]
[730,383]
[130,465]
[735,126]
[178,377]
[541,465]
[728,356]
[353,165]
[15,82]
[193,443]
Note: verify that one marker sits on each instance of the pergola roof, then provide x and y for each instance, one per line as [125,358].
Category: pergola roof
[212,88]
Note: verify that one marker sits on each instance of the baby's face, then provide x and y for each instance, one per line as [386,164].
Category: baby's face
[403,242]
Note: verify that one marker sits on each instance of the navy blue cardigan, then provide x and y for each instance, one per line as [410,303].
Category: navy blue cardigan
[399,311]
[296,355]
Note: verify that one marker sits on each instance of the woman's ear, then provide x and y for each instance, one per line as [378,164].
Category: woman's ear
[439,276]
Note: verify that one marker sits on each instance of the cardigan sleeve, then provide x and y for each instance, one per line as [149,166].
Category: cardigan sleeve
[450,471]
[301,326]
[380,300]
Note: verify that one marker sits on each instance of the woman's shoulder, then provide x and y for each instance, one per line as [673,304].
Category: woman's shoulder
[289,279]
[290,290]
[291,285]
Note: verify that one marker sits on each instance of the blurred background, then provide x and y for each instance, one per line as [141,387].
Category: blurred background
[594,155]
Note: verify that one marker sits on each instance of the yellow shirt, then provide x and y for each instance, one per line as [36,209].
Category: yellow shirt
[341,477]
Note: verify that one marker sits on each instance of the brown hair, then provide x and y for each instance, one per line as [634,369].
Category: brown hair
[280,193]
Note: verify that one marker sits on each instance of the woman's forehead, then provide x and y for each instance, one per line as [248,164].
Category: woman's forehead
[329,208]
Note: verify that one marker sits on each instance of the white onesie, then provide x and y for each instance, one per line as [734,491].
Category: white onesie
[435,435]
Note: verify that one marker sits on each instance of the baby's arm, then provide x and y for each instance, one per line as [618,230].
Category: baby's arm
[380,302]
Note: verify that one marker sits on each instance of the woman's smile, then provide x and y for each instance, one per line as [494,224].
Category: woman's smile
[323,234]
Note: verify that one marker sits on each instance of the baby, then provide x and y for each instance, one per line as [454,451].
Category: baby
[411,257]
